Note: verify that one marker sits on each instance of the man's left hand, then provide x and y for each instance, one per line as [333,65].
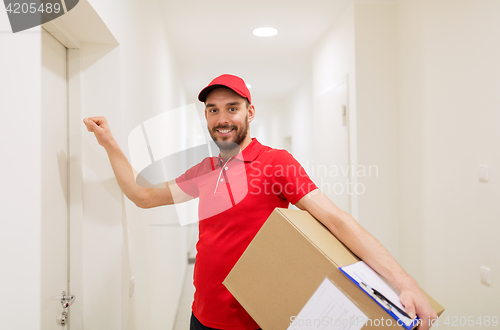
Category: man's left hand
[415,303]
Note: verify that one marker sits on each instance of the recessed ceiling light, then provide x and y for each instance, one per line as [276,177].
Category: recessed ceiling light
[248,85]
[265,32]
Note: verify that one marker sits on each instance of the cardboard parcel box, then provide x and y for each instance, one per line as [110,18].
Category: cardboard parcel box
[285,264]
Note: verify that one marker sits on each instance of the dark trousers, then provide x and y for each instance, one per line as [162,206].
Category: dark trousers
[196,325]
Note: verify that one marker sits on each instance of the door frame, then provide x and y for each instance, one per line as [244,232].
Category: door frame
[351,132]
[75,178]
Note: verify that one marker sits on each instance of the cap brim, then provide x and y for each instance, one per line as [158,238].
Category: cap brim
[204,93]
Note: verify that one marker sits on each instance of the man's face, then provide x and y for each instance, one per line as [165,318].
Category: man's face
[228,117]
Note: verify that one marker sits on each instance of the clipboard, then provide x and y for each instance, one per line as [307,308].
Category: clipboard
[384,295]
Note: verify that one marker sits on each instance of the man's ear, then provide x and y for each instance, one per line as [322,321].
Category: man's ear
[251,113]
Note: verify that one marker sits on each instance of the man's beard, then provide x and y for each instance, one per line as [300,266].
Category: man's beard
[226,145]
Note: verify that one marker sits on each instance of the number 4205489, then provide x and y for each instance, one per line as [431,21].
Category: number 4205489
[462,321]
[24,8]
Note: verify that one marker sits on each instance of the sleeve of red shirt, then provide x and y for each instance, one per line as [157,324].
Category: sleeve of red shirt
[188,181]
[290,177]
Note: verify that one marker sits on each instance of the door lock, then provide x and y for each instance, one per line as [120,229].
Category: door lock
[67,300]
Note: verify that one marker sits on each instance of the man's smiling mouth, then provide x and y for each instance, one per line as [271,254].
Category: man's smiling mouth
[225,131]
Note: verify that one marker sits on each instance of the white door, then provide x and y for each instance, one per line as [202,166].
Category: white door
[54,161]
[332,168]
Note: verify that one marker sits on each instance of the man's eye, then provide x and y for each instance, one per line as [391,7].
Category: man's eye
[212,110]
[233,109]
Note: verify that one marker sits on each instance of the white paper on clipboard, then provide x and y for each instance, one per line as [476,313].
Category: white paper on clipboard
[328,309]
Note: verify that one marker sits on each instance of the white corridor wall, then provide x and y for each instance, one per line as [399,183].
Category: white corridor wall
[449,124]
[20,183]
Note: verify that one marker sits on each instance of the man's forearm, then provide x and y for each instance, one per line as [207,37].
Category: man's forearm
[124,174]
[370,250]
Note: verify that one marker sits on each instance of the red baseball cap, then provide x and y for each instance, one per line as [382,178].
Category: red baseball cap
[226,80]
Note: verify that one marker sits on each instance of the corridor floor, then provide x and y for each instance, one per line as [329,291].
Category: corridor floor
[184,311]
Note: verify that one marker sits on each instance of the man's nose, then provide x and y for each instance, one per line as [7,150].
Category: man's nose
[223,119]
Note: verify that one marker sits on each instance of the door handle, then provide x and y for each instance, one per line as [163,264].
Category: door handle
[67,300]
[63,318]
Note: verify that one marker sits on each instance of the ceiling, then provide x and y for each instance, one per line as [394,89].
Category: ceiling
[213,37]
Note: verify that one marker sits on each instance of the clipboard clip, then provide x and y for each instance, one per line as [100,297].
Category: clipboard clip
[389,305]
[372,293]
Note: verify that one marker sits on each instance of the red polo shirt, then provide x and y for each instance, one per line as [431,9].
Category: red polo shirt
[235,199]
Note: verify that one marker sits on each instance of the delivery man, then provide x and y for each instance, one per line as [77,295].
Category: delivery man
[237,192]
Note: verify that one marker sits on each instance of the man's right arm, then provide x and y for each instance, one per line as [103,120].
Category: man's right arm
[141,196]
